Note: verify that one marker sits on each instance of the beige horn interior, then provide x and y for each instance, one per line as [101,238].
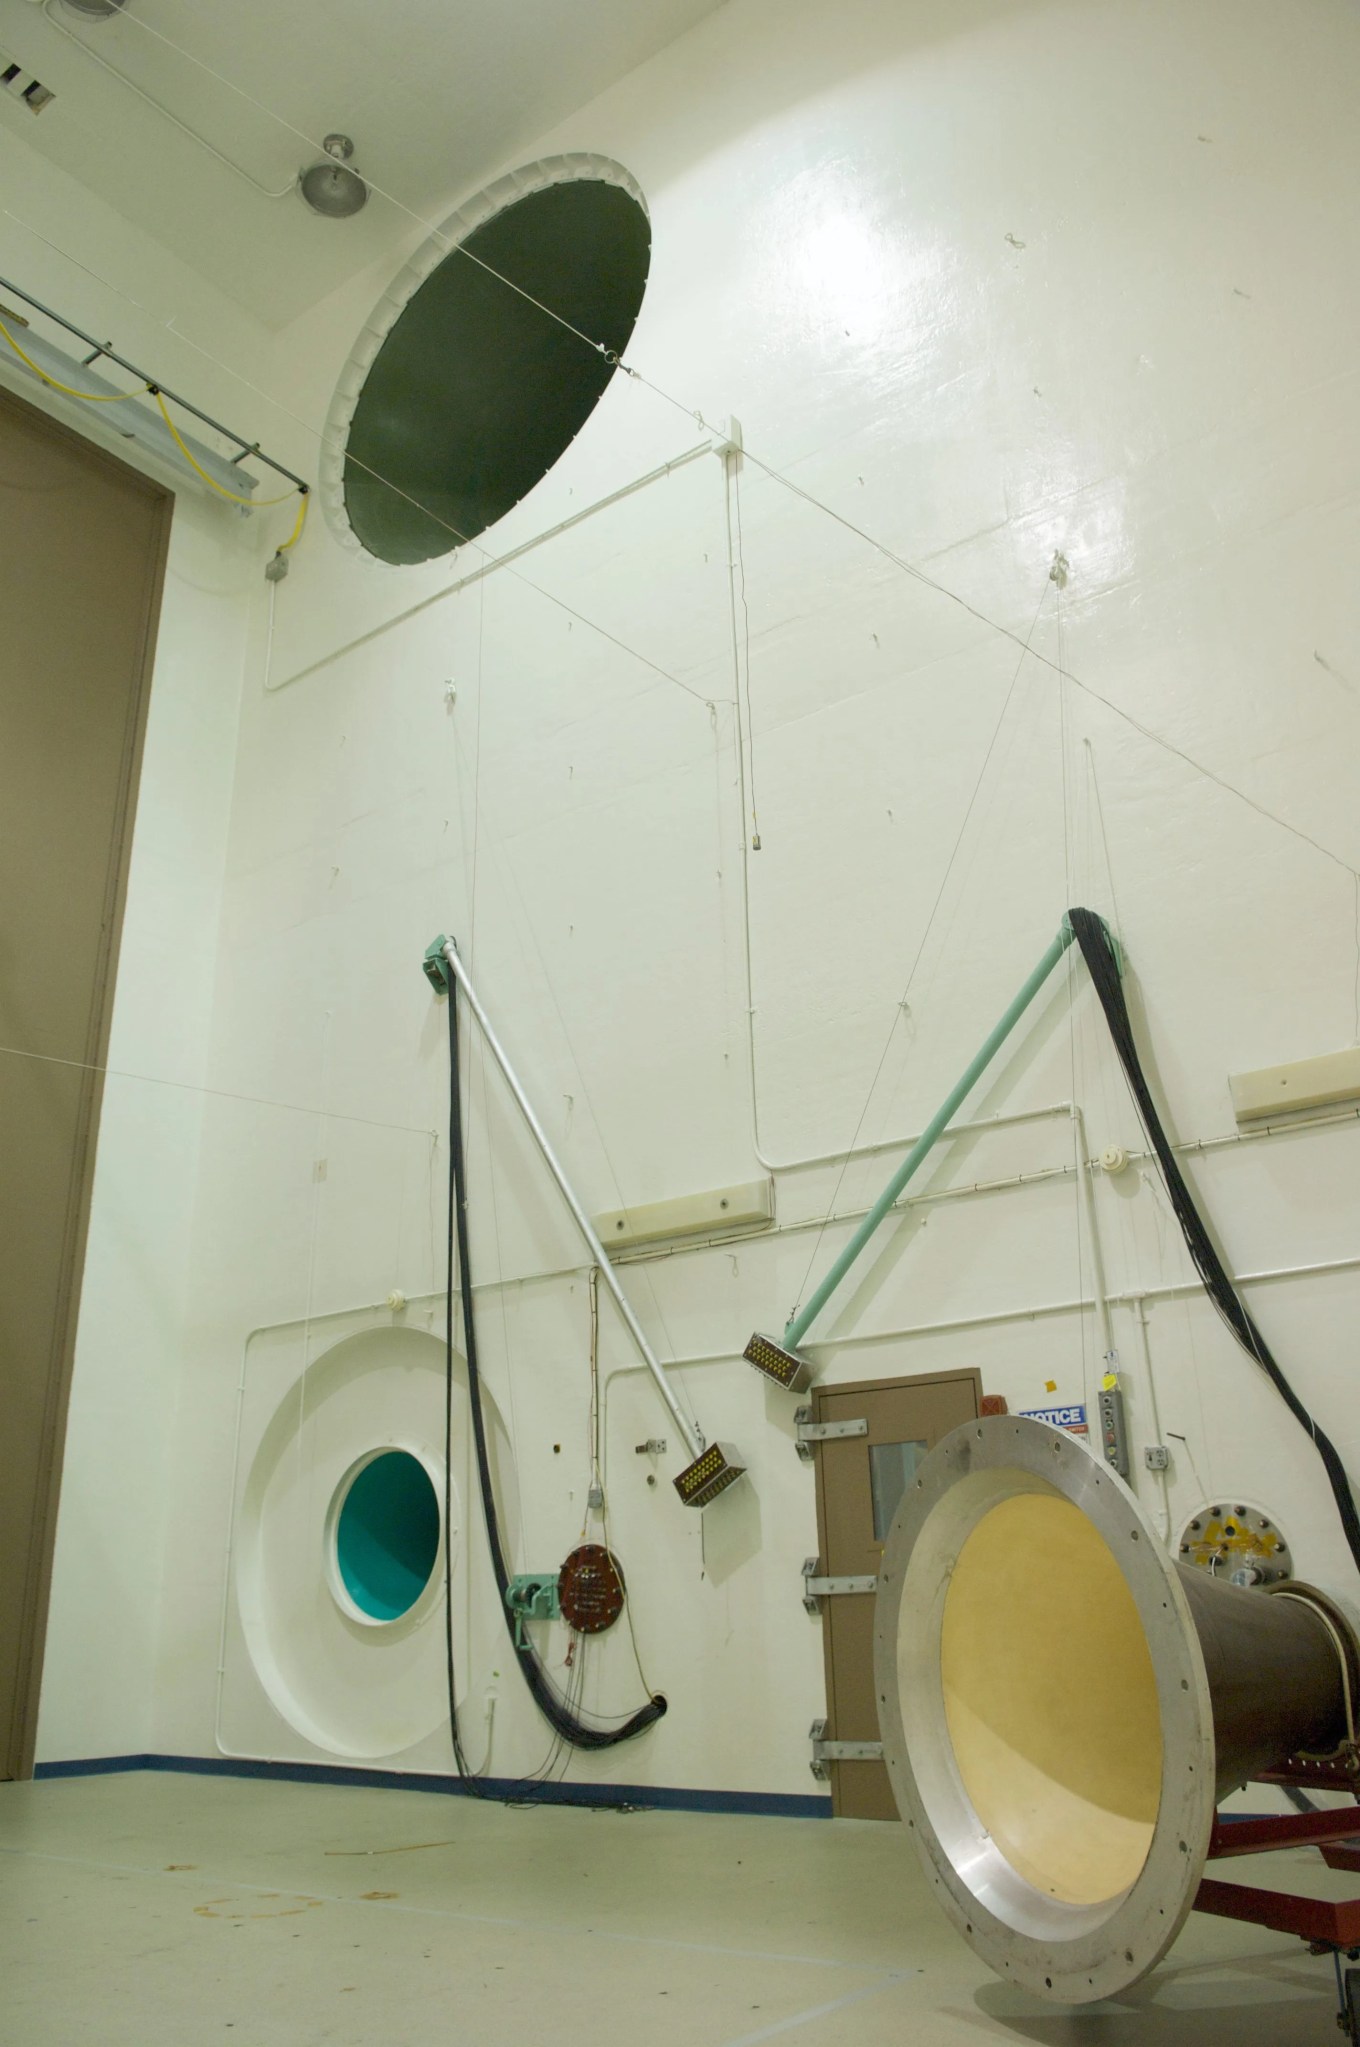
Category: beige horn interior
[1050,1699]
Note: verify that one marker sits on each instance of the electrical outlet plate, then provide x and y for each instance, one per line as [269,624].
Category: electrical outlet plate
[747,1206]
[1321,1083]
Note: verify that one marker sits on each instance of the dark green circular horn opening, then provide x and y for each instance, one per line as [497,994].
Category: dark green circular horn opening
[476,390]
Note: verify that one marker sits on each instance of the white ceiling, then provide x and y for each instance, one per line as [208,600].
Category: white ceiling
[436,94]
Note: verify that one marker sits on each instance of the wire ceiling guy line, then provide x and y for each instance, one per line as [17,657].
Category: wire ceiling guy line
[767,468]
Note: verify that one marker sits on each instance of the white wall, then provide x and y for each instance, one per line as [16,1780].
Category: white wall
[112,1529]
[992,281]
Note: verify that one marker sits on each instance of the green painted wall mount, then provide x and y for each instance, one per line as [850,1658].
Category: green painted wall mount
[435,966]
[532,1596]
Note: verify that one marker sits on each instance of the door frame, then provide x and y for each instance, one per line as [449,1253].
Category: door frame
[75,1235]
[835,1389]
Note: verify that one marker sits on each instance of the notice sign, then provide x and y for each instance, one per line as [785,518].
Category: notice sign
[1071,1418]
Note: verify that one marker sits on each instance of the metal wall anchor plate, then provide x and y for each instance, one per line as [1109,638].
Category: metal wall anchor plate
[824,1752]
[810,1432]
[816,1588]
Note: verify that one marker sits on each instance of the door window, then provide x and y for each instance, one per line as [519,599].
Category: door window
[891,1467]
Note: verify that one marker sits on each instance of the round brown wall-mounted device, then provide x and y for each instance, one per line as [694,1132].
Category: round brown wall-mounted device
[590,1589]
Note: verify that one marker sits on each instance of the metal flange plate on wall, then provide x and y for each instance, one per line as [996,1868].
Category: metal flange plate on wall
[1238,1542]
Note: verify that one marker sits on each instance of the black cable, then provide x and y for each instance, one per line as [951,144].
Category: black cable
[1098,951]
[559,1713]
[469,1777]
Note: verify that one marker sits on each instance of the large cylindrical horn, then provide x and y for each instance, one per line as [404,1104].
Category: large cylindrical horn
[1062,1704]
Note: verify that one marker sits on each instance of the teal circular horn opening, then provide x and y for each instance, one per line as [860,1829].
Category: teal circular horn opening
[387,1535]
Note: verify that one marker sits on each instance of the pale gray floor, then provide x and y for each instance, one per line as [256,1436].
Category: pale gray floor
[147,1909]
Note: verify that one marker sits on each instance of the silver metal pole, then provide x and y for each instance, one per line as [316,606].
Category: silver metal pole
[692,1438]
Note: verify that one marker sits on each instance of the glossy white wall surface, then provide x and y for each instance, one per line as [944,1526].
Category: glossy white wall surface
[994,282]
[113,1534]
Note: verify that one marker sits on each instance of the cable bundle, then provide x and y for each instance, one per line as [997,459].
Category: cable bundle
[560,1713]
[1098,951]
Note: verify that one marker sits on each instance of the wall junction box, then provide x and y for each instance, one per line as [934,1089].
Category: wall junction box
[689,1215]
[1308,1084]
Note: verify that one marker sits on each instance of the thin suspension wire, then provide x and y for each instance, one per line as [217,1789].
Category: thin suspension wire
[734,462]
[593,1417]
[484,1060]
[1105,837]
[1058,574]
[87,50]
[463,540]
[223,1094]
[1009,633]
[597,1476]
[1357,959]
[326,440]
[438,233]
[900,1009]
[471,862]
[613,357]
[319,1153]
[696,413]
[508,873]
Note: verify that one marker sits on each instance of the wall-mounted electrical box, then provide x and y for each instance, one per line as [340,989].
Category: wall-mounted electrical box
[690,1215]
[1321,1083]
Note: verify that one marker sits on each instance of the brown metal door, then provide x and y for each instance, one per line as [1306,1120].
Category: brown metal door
[82,552]
[860,1480]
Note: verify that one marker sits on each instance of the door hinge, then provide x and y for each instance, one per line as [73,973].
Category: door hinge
[816,1588]
[810,1432]
[824,1752]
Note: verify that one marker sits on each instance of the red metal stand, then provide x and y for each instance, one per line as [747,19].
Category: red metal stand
[1329,1927]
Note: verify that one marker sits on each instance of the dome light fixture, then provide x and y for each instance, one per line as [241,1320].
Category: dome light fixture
[94,10]
[330,187]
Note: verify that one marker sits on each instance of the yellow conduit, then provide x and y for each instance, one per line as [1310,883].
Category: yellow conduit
[117,397]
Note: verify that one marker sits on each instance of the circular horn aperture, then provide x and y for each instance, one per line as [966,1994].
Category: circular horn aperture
[1044,1708]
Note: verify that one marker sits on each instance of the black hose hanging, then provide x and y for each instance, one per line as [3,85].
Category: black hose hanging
[469,1776]
[554,1709]
[1098,952]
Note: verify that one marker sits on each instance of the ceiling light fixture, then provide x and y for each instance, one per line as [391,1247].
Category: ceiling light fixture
[330,187]
[94,10]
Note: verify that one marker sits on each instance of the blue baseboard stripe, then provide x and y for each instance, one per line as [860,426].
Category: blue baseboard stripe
[659,1797]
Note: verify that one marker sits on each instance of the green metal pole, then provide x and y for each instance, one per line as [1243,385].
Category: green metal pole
[807,1314]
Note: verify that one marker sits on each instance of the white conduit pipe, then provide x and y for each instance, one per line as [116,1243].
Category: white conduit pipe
[1088,1202]
[1140,1324]
[998,1318]
[1172,1291]
[491,564]
[730,1240]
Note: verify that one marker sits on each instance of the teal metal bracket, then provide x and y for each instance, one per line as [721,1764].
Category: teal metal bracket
[532,1596]
[780,1360]
[435,966]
